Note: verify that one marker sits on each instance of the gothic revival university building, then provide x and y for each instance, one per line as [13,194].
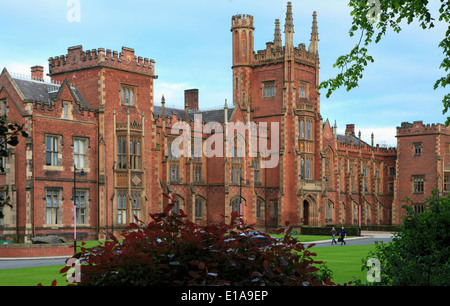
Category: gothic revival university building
[97,140]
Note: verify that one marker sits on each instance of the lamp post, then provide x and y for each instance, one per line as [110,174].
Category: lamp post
[75,207]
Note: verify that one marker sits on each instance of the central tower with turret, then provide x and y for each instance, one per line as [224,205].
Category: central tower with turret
[279,84]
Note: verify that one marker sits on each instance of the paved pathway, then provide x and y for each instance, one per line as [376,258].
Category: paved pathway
[15,263]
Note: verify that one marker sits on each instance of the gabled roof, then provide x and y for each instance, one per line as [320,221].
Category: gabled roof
[43,92]
[351,138]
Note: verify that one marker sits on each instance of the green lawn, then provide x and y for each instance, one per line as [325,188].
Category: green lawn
[344,261]
[32,276]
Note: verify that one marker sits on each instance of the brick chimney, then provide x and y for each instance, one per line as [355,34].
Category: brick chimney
[37,73]
[350,129]
[191,98]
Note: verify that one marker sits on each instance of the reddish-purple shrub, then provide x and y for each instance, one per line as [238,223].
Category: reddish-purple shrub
[171,250]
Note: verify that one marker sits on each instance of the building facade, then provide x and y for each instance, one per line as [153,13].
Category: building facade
[98,142]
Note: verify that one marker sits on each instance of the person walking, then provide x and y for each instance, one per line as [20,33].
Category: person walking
[343,234]
[333,235]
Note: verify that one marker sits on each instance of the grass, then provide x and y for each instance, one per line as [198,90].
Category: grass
[344,261]
[32,276]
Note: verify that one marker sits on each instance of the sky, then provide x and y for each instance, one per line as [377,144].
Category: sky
[190,42]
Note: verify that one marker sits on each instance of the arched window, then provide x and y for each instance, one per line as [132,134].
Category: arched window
[256,169]
[121,207]
[236,205]
[330,206]
[302,168]
[136,198]
[200,207]
[301,131]
[328,167]
[121,153]
[236,160]
[178,205]
[260,208]
[135,154]
[174,163]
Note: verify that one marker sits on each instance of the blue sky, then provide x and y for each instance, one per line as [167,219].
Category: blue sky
[191,44]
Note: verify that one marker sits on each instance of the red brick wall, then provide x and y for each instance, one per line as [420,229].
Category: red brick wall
[430,163]
[19,251]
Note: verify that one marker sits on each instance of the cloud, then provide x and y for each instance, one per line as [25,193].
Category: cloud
[22,69]
[383,136]
[173,93]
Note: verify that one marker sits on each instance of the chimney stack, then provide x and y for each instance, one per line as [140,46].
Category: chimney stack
[191,99]
[350,129]
[37,73]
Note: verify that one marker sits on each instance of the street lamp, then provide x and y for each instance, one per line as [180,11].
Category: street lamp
[75,207]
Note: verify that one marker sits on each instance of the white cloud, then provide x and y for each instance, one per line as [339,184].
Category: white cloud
[21,68]
[384,136]
[173,93]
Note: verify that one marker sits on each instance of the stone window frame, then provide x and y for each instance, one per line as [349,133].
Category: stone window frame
[86,141]
[268,89]
[128,94]
[86,205]
[135,153]
[58,152]
[446,182]
[418,184]
[303,90]
[136,203]
[121,154]
[122,206]
[174,163]
[4,108]
[69,105]
[417,148]
[58,213]
[197,165]
[200,207]
[237,160]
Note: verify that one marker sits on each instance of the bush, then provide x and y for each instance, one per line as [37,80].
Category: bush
[171,250]
[419,254]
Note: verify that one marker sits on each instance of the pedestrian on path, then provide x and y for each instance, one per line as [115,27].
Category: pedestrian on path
[333,235]
[343,234]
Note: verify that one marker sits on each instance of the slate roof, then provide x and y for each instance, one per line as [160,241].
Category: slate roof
[40,92]
[351,138]
[216,115]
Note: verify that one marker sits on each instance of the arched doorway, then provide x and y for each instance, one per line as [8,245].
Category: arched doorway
[305,212]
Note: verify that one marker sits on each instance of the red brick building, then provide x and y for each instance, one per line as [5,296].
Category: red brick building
[423,165]
[96,137]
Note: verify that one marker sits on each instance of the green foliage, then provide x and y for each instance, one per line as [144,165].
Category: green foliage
[171,250]
[373,18]
[419,255]
[9,135]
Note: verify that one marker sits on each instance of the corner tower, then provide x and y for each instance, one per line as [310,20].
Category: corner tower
[242,29]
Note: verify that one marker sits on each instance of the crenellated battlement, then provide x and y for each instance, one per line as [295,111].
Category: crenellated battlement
[271,53]
[242,21]
[76,58]
[418,127]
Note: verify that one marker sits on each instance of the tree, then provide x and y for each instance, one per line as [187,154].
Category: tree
[9,136]
[372,18]
[420,254]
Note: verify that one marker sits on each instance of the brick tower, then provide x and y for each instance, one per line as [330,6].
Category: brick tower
[278,85]
[120,86]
